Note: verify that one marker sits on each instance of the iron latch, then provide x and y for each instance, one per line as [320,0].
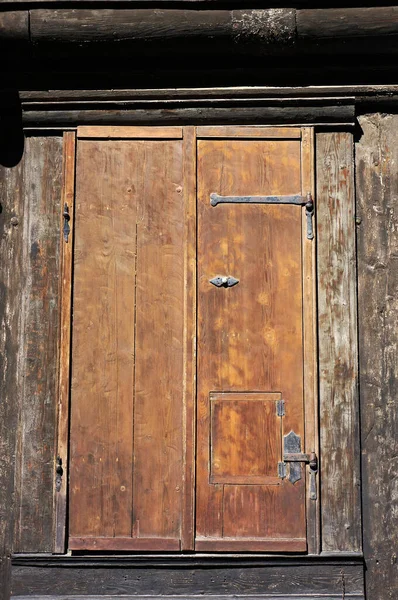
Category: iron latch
[290,468]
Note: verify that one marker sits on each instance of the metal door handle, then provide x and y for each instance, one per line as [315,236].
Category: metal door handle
[224,281]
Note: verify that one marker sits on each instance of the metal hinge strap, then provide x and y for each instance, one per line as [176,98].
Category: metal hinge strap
[297,199]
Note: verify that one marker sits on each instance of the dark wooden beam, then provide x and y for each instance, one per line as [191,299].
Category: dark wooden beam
[258,32]
[332,579]
[281,112]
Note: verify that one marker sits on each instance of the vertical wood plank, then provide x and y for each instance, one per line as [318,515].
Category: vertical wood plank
[249,335]
[42,175]
[11,273]
[338,348]
[103,339]
[189,360]
[377,187]
[310,336]
[158,405]
[66,251]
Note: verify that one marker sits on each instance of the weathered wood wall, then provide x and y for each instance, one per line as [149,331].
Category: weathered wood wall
[30,199]
[30,195]
[338,349]
[377,215]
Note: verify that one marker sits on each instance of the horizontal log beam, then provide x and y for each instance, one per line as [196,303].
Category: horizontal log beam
[275,31]
[341,114]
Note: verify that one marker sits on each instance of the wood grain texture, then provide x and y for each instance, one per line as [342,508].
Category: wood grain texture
[65,307]
[249,335]
[338,349]
[340,113]
[127,384]
[158,408]
[377,182]
[11,269]
[124,544]
[310,333]
[39,314]
[189,350]
[101,437]
[129,132]
[330,580]
[248,132]
[245,438]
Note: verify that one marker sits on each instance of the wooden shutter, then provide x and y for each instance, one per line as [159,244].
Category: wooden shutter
[250,345]
[145,249]
[126,453]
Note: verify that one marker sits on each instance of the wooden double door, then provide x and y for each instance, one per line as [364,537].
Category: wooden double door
[192,352]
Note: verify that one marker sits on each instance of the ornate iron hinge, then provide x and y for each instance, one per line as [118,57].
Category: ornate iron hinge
[66,229]
[290,467]
[298,200]
[59,471]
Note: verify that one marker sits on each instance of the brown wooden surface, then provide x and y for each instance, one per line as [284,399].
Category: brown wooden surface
[250,335]
[39,314]
[126,430]
[245,438]
[125,544]
[85,131]
[248,132]
[377,227]
[65,292]
[310,332]
[189,356]
[338,350]
[158,410]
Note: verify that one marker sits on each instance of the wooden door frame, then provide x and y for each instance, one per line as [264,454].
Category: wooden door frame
[309,316]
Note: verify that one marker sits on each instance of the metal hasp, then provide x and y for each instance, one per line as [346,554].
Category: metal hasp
[298,200]
[293,456]
[66,215]
[59,471]
[309,213]
[224,281]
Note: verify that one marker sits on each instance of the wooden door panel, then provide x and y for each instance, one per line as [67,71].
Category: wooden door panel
[250,336]
[127,363]
[245,438]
